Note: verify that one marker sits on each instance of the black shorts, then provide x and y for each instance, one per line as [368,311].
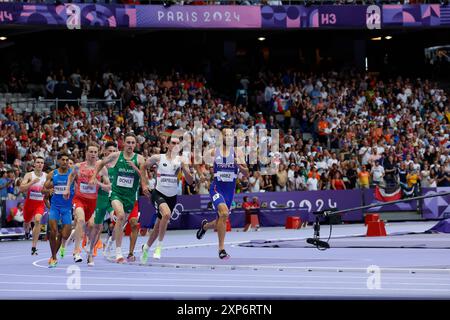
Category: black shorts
[158,198]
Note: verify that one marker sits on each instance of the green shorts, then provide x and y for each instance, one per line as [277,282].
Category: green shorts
[128,204]
[103,207]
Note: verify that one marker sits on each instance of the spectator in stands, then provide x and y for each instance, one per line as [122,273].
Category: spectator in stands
[337,183]
[377,173]
[281,179]
[364,178]
[15,218]
[6,183]
[203,186]
[413,179]
[313,183]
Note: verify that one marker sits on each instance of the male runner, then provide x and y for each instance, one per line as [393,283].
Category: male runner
[85,199]
[227,163]
[60,208]
[62,248]
[164,196]
[125,185]
[34,206]
[103,205]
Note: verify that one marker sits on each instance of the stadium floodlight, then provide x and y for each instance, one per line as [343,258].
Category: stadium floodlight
[376,39]
[388,37]
[3,38]
[261,38]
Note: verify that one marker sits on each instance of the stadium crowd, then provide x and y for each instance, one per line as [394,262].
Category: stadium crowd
[337,130]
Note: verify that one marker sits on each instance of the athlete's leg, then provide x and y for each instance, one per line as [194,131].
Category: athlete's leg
[118,228]
[36,229]
[165,212]
[133,235]
[79,230]
[65,233]
[154,234]
[222,224]
[151,239]
[53,237]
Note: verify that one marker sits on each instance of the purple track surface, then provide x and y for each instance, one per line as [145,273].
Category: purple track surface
[191,269]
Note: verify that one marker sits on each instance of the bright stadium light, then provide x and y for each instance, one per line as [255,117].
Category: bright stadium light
[261,38]
[3,38]
[376,39]
[388,37]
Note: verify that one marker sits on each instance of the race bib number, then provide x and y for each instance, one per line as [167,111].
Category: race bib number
[126,182]
[36,196]
[226,176]
[169,182]
[88,188]
[60,189]
[216,196]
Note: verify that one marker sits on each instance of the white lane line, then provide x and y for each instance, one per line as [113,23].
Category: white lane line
[229,286]
[197,294]
[193,279]
[188,272]
[11,257]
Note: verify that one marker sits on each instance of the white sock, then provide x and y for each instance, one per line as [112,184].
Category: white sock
[118,251]
[146,247]
[159,243]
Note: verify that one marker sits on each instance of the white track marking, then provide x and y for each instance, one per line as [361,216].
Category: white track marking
[364,288]
[231,274]
[194,294]
[193,279]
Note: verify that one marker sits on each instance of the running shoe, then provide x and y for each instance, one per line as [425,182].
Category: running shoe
[62,251]
[52,263]
[77,257]
[90,261]
[131,258]
[144,255]
[120,259]
[157,253]
[34,251]
[223,255]
[201,232]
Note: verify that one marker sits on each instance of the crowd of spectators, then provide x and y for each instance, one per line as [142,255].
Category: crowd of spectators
[342,130]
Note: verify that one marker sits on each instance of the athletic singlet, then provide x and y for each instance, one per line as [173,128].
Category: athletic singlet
[83,188]
[59,186]
[126,179]
[35,191]
[225,173]
[167,175]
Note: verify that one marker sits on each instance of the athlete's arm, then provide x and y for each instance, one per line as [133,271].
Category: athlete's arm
[48,185]
[154,159]
[105,184]
[143,175]
[27,182]
[101,164]
[70,180]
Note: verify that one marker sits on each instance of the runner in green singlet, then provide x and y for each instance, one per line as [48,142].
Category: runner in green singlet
[103,204]
[125,185]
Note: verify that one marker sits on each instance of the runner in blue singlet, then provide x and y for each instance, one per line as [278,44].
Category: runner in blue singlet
[226,169]
[60,208]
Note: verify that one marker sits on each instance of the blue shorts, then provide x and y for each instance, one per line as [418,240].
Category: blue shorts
[61,213]
[218,198]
